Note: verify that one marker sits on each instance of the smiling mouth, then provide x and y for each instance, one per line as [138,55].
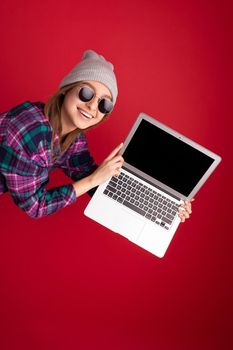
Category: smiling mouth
[85,114]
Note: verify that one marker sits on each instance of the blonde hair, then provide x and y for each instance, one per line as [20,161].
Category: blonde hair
[52,111]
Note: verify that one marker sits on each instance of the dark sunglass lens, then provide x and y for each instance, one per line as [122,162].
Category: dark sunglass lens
[105,106]
[85,94]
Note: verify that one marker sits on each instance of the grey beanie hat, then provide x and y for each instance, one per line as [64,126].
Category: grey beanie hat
[93,67]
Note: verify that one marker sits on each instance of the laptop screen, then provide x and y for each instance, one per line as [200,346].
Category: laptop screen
[166,158]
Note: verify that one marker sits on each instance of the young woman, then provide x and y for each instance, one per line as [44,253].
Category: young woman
[36,138]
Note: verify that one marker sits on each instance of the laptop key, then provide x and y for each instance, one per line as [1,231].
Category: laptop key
[169,216]
[174,208]
[134,207]
[120,200]
[110,188]
[148,216]
[166,220]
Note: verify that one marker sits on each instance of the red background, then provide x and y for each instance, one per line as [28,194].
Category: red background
[65,281]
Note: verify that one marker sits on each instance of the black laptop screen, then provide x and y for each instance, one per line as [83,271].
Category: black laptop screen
[166,158]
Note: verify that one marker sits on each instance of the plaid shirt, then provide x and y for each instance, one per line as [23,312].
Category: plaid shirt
[26,159]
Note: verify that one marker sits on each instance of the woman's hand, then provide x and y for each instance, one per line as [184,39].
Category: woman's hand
[111,166]
[185,210]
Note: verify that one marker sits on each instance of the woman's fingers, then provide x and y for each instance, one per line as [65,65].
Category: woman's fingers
[114,152]
[116,166]
[111,166]
[116,159]
[114,163]
[187,207]
[184,213]
[185,210]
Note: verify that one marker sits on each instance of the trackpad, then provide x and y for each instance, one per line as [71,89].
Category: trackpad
[129,225]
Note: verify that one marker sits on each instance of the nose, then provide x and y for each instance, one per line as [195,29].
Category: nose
[93,104]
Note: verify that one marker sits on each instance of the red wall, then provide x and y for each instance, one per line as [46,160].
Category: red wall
[65,281]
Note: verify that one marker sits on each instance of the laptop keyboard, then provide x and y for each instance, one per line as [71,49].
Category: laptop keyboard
[142,199]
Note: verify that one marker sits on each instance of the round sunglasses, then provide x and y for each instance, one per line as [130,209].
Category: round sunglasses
[86,94]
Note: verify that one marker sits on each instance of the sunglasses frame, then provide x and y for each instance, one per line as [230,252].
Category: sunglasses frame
[94,95]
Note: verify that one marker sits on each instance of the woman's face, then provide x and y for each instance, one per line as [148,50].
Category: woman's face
[78,114]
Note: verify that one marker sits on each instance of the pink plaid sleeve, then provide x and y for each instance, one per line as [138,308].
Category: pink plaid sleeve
[26,180]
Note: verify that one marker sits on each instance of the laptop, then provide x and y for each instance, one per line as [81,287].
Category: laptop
[161,169]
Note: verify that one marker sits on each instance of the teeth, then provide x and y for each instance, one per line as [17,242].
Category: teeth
[86,114]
